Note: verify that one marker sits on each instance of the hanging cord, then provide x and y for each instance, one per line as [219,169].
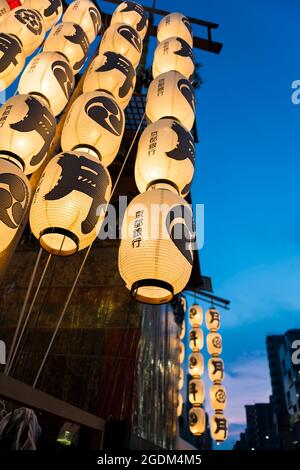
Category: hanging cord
[83,263]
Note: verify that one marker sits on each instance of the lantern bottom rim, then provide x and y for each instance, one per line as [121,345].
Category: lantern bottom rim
[152,291]
[59,241]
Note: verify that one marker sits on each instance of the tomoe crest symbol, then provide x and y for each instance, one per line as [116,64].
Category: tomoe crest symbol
[185,50]
[52,8]
[132,6]
[128,33]
[31,19]
[95,17]
[180,227]
[187,91]
[64,75]
[13,200]
[117,61]
[79,37]
[10,48]
[105,112]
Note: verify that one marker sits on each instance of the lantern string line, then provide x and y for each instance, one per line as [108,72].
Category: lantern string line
[84,261]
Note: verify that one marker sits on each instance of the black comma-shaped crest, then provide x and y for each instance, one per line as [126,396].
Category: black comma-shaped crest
[185,50]
[132,6]
[53,8]
[64,75]
[128,33]
[105,112]
[186,89]
[10,48]
[96,19]
[31,19]
[185,147]
[80,38]
[117,61]
[187,24]
[180,227]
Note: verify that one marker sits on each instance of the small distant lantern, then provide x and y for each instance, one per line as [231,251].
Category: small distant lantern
[171,95]
[134,15]
[4,10]
[214,344]
[12,59]
[113,73]
[181,378]
[183,303]
[69,204]
[50,10]
[181,352]
[219,427]
[212,319]
[49,76]
[87,15]
[70,40]
[94,124]
[196,364]
[196,391]
[165,152]
[175,25]
[182,330]
[197,420]
[173,54]
[196,315]
[27,25]
[216,369]
[155,256]
[26,132]
[179,404]
[14,200]
[196,339]
[218,398]
[122,39]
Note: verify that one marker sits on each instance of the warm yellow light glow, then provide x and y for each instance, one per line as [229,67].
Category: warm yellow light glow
[212,319]
[175,25]
[196,339]
[218,398]
[196,391]
[181,352]
[134,15]
[124,40]
[195,315]
[87,15]
[219,427]
[196,364]
[197,420]
[12,59]
[216,369]
[50,10]
[214,344]
[173,54]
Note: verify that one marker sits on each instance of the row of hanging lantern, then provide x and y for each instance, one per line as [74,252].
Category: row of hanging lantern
[181,381]
[156,256]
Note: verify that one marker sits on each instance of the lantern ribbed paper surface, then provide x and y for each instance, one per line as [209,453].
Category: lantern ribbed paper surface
[173,54]
[195,315]
[197,420]
[50,10]
[124,40]
[218,399]
[155,256]
[214,344]
[175,25]
[216,369]
[87,15]
[134,15]
[196,391]
[219,427]
[12,59]
[196,364]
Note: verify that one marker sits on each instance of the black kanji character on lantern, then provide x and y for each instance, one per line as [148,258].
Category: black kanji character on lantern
[52,8]
[31,19]
[180,227]
[96,19]
[13,200]
[80,38]
[221,426]
[186,89]
[218,367]
[214,317]
[117,61]
[193,390]
[131,36]
[132,6]
[105,112]
[193,337]
[64,75]
[10,48]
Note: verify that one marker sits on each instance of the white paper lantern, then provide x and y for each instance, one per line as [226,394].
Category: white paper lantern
[50,10]
[113,73]
[179,404]
[122,39]
[27,25]
[196,364]
[216,369]
[183,303]
[219,427]
[14,199]
[4,10]
[197,420]
[134,15]
[214,344]
[182,330]
[155,256]
[171,95]
[12,59]
[181,352]
[87,15]
[181,378]
[212,319]
[195,315]
[196,391]
[218,397]
[166,153]
[96,123]
[175,24]
[69,204]
[49,76]
[173,54]
[196,339]
[27,128]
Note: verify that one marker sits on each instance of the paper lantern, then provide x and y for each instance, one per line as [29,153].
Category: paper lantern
[69,205]
[113,73]
[197,420]
[196,364]
[12,59]
[70,40]
[14,199]
[196,339]
[27,127]
[155,256]
[50,10]
[218,398]
[49,76]
[214,344]
[219,427]
[181,378]
[95,122]
[122,39]
[87,15]
[182,330]
[179,404]
[27,25]
[212,319]
[166,153]
[196,392]
[132,14]
[216,369]
[171,95]
[173,54]
[4,10]
[195,315]
[175,25]
[181,352]
[183,303]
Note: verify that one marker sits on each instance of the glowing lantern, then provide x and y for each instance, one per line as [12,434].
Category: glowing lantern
[165,152]
[134,15]
[182,330]
[216,369]
[49,76]
[196,315]
[196,364]
[212,319]
[69,205]
[179,404]
[197,420]
[27,25]
[124,40]
[175,25]
[171,95]
[173,54]
[218,397]
[4,10]
[50,10]
[196,391]
[95,123]
[71,41]
[181,378]
[183,303]
[26,131]
[87,15]
[181,352]
[12,59]
[155,256]
[214,344]
[219,427]
[113,73]
[196,339]
[14,200]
